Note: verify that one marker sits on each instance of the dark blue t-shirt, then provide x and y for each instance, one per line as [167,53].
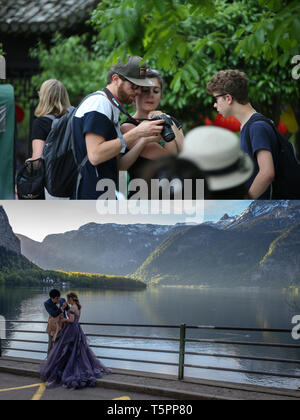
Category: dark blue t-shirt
[262,137]
[96,115]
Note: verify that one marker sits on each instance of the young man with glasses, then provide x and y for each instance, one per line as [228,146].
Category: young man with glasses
[230,94]
[97,131]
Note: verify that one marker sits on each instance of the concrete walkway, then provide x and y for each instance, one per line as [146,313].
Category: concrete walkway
[24,388]
[163,386]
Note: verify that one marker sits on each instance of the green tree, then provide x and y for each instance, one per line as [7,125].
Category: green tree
[276,35]
[70,61]
[191,40]
[188,41]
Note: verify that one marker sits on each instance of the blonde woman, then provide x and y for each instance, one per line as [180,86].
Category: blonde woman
[54,102]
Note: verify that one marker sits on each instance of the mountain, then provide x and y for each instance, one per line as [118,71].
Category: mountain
[260,244]
[223,223]
[14,267]
[11,261]
[282,259]
[204,255]
[8,239]
[17,270]
[253,248]
[99,248]
[278,214]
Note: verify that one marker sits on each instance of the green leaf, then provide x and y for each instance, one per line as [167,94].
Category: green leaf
[218,48]
[176,83]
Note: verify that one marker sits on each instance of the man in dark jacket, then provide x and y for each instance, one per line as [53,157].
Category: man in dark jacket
[56,308]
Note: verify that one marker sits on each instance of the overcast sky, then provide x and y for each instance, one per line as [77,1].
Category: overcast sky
[38,219]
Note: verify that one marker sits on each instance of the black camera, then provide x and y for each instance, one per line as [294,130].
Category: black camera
[167,132]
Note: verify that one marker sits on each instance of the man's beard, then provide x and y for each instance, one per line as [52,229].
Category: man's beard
[123,96]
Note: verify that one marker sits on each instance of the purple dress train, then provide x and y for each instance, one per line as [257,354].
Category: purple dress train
[71,363]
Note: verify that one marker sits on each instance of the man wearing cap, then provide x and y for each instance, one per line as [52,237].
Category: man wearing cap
[97,134]
[258,139]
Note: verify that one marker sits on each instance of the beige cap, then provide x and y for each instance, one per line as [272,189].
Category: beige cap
[216,151]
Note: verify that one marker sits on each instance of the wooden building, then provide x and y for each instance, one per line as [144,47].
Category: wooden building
[23,22]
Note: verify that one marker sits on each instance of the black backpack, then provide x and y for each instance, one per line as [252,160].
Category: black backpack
[30,180]
[62,170]
[286,185]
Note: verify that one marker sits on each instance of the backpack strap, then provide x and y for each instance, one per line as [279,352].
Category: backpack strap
[50,116]
[112,113]
[79,177]
[116,103]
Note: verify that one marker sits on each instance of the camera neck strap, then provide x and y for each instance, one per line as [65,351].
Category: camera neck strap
[117,103]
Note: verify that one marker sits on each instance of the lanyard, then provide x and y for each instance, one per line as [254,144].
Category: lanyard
[116,103]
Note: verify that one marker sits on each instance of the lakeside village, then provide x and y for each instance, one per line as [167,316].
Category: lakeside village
[48,281]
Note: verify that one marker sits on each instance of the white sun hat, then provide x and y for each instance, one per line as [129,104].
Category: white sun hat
[216,151]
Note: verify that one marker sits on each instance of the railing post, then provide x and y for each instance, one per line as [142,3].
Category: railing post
[182,352]
[2,332]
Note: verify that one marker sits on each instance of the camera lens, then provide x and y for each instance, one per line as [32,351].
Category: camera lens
[167,132]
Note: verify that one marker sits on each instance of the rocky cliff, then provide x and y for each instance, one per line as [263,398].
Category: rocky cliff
[8,239]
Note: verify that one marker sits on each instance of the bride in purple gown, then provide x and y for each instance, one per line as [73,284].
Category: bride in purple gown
[71,363]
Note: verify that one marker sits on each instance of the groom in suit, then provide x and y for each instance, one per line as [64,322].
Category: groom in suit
[56,308]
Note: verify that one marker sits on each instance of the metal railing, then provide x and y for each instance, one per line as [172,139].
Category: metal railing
[182,341]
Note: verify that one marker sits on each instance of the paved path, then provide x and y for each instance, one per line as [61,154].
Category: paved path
[16,387]
[139,385]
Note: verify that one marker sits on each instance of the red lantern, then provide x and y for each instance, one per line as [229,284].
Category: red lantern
[230,123]
[19,113]
[208,121]
[282,128]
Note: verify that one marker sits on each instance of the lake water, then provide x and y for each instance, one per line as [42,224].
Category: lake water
[246,308]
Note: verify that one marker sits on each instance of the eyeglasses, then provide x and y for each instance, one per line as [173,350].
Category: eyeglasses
[133,86]
[215,98]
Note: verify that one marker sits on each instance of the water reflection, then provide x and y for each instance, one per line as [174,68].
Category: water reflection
[247,308]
